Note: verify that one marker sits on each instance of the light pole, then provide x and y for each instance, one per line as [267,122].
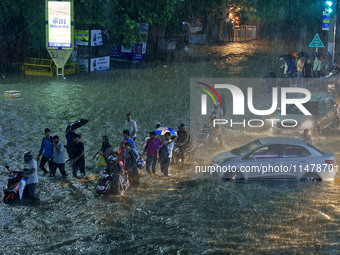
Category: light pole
[330,9]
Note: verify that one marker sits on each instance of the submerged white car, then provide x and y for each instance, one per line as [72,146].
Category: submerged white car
[275,158]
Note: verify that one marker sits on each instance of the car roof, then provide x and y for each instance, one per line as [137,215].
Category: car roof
[282,140]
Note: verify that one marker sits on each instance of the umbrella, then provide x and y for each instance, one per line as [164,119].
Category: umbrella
[76,124]
[163,130]
[286,57]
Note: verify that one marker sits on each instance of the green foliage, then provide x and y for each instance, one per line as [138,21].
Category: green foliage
[24,21]
[119,16]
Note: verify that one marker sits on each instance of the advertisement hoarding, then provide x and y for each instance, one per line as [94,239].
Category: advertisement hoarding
[137,52]
[96,38]
[81,37]
[102,63]
[59,24]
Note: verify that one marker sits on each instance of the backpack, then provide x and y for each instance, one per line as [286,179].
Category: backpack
[140,163]
[163,152]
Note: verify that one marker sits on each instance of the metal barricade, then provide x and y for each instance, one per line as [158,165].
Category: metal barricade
[245,33]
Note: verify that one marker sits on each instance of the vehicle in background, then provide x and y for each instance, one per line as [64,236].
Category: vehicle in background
[276,158]
[325,114]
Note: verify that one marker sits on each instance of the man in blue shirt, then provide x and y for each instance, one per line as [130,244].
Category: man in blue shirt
[47,148]
[127,138]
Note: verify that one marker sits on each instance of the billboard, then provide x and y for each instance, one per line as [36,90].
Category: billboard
[81,37]
[96,38]
[59,24]
[102,63]
[137,52]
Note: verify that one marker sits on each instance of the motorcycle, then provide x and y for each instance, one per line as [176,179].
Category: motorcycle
[332,82]
[176,154]
[112,183]
[12,186]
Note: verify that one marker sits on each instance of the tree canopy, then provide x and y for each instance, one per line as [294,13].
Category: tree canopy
[23,21]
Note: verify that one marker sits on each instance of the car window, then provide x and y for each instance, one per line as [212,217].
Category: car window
[311,106]
[293,151]
[270,151]
[246,148]
[322,107]
[315,148]
[329,104]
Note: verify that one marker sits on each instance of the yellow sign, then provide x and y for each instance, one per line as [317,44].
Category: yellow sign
[81,37]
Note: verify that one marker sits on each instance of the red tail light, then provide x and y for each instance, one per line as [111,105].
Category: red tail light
[331,162]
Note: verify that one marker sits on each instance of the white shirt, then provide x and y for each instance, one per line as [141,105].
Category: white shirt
[59,158]
[170,144]
[132,127]
[32,178]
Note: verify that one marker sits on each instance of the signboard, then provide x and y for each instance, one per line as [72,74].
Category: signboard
[83,64]
[102,63]
[325,21]
[59,24]
[96,38]
[137,52]
[316,42]
[81,37]
[59,31]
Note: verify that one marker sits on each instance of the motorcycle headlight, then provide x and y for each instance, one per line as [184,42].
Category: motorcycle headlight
[308,124]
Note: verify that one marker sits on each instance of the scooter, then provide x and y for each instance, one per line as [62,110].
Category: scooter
[12,186]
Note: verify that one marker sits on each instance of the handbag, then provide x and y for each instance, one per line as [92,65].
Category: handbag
[101,161]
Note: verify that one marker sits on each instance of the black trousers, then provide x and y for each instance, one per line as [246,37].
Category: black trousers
[165,163]
[78,164]
[61,168]
[43,163]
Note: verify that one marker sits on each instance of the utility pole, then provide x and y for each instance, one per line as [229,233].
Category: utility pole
[331,6]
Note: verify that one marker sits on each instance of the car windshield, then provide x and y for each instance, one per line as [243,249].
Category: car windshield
[246,148]
[312,107]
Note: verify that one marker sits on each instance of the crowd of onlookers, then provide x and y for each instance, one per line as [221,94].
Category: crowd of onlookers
[303,66]
[126,157]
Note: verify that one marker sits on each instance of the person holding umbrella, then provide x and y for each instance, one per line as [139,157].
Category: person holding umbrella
[70,133]
[78,158]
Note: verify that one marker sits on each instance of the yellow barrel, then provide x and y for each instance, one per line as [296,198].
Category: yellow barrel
[12,94]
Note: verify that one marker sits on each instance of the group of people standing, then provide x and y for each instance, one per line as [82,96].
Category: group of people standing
[305,68]
[126,158]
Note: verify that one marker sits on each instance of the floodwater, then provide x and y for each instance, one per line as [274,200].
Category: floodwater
[175,215]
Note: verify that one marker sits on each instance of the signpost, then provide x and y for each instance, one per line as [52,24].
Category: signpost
[325,20]
[59,31]
[316,43]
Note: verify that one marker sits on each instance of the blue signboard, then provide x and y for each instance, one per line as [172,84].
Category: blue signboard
[137,52]
[325,21]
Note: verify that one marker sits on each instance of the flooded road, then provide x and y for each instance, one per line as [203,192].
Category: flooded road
[175,215]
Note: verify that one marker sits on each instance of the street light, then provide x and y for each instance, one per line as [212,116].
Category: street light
[329,5]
